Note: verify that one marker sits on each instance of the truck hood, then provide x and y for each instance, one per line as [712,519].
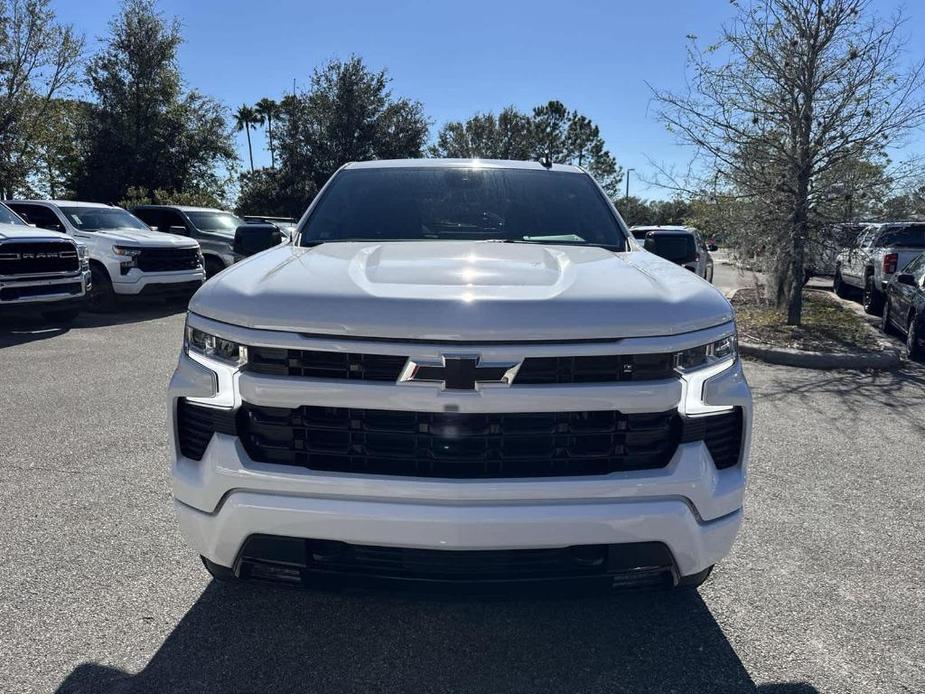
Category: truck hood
[460,290]
[140,237]
[16,232]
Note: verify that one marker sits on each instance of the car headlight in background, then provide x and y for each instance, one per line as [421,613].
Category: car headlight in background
[84,256]
[213,347]
[130,254]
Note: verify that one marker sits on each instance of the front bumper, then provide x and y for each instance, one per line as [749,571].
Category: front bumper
[43,290]
[689,505]
[158,283]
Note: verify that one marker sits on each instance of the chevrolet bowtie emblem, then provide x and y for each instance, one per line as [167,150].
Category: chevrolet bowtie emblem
[459,372]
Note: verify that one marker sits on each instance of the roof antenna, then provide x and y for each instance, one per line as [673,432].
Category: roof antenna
[546,160]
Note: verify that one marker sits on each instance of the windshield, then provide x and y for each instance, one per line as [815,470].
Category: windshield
[912,236]
[7,216]
[419,204]
[102,218]
[215,221]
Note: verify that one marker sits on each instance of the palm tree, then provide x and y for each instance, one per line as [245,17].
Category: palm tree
[246,118]
[268,109]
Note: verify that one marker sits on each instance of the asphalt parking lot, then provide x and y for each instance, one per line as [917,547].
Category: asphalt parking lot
[824,590]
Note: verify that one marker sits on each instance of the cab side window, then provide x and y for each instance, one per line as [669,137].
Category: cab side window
[150,217]
[172,219]
[39,215]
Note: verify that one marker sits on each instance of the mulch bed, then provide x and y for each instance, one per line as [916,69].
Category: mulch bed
[827,326]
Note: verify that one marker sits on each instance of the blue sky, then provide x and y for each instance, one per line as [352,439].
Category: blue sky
[458,57]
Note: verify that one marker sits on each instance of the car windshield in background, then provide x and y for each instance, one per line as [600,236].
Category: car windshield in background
[215,221]
[912,235]
[7,216]
[102,218]
[678,248]
[421,204]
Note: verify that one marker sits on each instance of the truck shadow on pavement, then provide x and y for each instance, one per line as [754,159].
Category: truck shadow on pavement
[897,392]
[19,331]
[253,638]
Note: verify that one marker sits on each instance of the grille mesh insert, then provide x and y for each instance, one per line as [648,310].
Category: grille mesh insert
[451,445]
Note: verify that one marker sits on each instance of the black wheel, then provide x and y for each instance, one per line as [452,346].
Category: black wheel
[838,285]
[914,338]
[62,316]
[886,321]
[213,266]
[695,580]
[218,572]
[873,297]
[101,296]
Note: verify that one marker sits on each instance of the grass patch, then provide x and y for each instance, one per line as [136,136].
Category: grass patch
[827,325]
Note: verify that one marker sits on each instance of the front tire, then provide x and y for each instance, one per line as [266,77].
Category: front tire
[101,296]
[886,321]
[873,297]
[839,286]
[914,338]
[213,266]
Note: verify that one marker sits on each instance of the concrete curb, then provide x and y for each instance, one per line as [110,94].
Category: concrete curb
[887,358]
[784,356]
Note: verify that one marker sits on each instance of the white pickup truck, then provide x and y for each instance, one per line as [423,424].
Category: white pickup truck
[127,258]
[880,251]
[42,273]
[461,371]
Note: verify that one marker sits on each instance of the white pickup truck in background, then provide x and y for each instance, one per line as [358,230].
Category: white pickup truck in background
[42,273]
[880,251]
[127,258]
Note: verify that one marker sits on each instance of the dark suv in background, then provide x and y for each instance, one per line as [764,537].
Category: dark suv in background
[214,230]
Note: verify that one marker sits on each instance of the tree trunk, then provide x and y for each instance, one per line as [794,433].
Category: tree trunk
[250,152]
[270,138]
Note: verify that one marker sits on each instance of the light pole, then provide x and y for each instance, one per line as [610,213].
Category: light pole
[628,171]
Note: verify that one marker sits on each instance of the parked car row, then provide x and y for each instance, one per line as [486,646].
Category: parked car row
[59,256]
[886,265]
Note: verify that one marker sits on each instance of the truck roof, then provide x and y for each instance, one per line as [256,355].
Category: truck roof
[666,229]
[182,208]
[66,203]
[459,163]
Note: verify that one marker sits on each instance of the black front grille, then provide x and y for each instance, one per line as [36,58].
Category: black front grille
[453,445]
[15,293]
[38,257]
[316,364]
[596,369]
[387,368]
[270,556]
[722,433]
[196,424]
[167,259]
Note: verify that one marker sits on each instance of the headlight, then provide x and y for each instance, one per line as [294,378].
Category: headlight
[213,347]
[126,250]
[84,256]
[706,355]
[698,365]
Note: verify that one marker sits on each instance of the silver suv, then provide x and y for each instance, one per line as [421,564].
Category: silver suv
[684,246]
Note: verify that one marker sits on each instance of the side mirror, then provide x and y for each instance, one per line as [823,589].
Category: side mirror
[179,230]
[650,245]
[906,279]
[712,247]
[254,238]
